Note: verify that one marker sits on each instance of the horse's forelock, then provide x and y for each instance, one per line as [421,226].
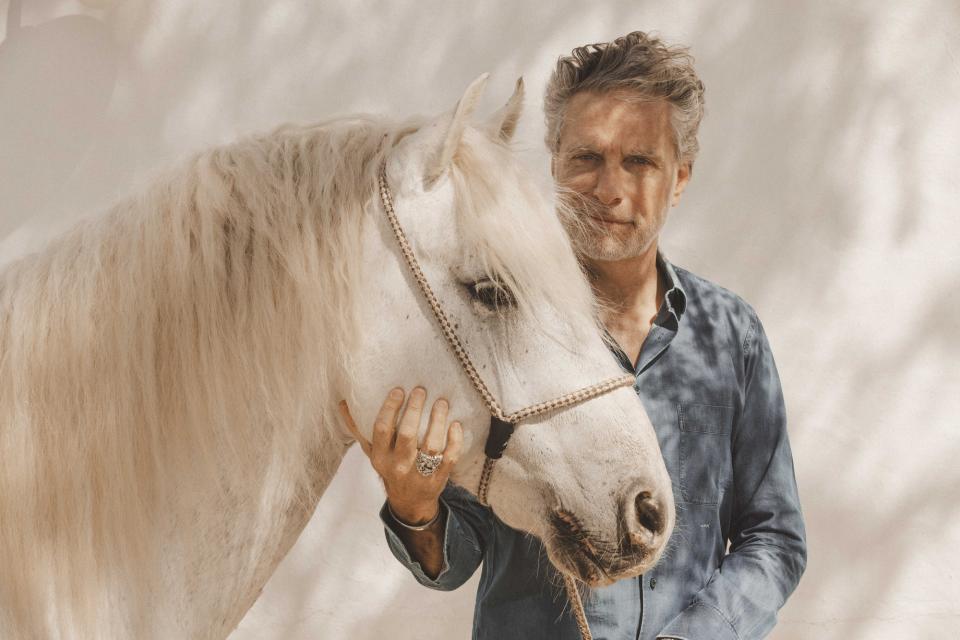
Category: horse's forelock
[506,217]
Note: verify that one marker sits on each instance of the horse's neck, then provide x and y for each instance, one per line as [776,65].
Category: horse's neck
[235,547]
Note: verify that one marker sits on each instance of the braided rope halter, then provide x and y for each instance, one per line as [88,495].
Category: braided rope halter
[502,424]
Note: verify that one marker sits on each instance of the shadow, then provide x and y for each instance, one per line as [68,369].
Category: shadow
[824,195]
[820,197]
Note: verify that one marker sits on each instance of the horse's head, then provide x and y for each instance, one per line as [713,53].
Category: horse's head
[588,480]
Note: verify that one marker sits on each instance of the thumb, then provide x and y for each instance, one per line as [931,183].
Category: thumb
[352,427]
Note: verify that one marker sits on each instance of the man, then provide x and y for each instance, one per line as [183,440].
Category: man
[622,119]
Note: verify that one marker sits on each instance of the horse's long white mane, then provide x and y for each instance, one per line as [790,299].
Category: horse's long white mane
[192,333]
[173,342]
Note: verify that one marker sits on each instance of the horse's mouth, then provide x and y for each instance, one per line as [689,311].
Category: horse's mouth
[583,564]
[593,561]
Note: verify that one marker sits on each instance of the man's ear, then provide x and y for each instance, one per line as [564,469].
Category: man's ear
[503,123]
[684,172]
[442,155]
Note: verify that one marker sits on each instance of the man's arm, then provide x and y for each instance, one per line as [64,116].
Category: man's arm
[768,551]
[437,538]
[449,552]
[423,542]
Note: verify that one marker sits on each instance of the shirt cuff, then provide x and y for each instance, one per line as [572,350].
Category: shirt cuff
[391,528]
[699,620]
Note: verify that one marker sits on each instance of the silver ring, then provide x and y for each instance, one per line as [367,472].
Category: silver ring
[427,464]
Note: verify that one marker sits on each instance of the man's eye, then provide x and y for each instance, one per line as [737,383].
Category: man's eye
[585,157]
[638,160]
[491,293]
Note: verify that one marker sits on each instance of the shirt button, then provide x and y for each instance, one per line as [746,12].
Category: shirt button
[653,583]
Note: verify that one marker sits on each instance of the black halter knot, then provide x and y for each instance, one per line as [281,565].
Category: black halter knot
[500,432]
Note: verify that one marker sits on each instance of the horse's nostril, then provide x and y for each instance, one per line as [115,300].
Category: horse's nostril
[649,515]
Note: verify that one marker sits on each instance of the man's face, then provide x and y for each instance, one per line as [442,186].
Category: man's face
[617,155]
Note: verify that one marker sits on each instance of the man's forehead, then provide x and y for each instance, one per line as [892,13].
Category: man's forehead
[625,118]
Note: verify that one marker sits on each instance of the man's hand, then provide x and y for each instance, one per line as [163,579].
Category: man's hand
[413,497]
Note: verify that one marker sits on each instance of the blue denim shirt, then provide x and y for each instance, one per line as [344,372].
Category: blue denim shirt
[708,381]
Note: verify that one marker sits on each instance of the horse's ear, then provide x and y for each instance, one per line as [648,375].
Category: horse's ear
[503,123]
[441,159]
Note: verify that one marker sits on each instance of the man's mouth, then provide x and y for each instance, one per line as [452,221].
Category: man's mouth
[609,220]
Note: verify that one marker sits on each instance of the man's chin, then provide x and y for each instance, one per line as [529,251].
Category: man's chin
[603,251]
[610,248]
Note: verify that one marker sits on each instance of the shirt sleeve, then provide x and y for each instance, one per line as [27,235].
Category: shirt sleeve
[768,552]
[467,529]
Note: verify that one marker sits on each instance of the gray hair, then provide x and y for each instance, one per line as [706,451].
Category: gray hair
[637,63]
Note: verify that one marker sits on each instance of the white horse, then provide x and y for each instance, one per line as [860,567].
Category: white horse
[169,372]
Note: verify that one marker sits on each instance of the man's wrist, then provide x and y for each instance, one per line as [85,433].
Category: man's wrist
[414,515]
[429,524]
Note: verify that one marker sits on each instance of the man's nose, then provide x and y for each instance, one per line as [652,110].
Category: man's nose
[609,189]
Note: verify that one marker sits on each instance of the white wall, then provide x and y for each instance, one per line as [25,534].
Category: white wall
[826,194]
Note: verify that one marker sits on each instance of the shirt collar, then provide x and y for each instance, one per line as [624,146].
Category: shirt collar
[665,324]
[675,298]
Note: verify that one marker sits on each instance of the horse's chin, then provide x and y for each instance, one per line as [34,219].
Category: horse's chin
[577,551]
[584,564]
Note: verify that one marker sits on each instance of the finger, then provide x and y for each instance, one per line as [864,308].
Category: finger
[384,424]
[406,447]
[436,430]
[451,455]
[352,427]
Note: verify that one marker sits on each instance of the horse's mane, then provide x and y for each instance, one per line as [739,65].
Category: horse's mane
[195,328]
[194,331]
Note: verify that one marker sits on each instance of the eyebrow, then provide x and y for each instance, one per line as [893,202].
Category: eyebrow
[632,152]
[641,152]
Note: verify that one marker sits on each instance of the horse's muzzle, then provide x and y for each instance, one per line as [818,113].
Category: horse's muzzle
[594,559]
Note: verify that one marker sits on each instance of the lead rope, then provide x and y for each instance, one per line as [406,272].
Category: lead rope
[573,595]
[569,582]
[501,424]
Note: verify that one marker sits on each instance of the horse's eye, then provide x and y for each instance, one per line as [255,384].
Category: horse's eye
[491,293]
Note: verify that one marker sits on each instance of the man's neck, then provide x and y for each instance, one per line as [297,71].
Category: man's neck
[628,288]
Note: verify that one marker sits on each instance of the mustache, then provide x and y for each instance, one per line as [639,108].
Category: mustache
[579,212]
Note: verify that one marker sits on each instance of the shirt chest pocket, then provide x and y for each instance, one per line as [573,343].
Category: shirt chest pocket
[705,459]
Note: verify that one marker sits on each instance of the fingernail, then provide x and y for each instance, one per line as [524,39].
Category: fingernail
[396,393]
[420,391]
[442,404]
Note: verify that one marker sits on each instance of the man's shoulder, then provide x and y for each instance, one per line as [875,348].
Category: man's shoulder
[699,289]
[708,301]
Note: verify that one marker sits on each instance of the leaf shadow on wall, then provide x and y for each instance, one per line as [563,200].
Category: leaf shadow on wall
[793,93]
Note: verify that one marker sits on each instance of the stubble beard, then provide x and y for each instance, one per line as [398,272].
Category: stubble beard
[594,240]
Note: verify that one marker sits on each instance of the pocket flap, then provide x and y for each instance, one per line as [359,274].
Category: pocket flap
[705,418]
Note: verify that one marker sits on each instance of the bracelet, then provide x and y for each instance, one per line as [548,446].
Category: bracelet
[419,527]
